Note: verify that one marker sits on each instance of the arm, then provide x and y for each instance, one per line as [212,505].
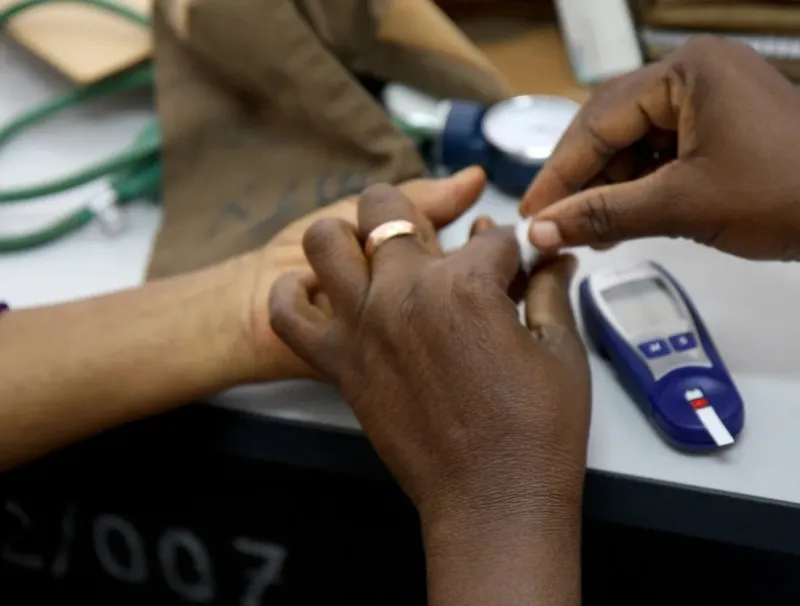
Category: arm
[69,371]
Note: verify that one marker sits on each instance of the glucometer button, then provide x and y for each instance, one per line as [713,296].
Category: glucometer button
[683,341]
[654,349]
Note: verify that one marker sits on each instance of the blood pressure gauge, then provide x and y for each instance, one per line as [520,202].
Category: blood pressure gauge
[510,140]
[642,321]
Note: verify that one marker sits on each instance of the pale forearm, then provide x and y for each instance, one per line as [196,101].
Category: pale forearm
[502,563]
[72,370]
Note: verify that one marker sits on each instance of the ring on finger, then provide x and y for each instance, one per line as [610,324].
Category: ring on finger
[386,231]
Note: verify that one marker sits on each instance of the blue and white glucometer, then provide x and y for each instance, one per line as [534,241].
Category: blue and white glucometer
[641,320]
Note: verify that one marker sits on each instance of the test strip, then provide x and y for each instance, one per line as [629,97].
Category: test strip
[714,426]
[528,253]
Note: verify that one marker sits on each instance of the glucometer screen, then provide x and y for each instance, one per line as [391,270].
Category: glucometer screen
[643,306]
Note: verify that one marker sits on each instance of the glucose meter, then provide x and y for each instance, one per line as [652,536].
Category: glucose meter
[643,322]
[510,140]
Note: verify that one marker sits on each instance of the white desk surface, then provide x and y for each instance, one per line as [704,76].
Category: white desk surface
[749,308]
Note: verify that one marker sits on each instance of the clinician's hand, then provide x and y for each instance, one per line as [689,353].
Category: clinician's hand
[702,145]
[482,420]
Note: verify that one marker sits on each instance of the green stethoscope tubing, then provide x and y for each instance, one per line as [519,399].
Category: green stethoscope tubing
[135,172]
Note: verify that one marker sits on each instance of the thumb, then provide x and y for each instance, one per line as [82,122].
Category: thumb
[649,206]
[444,200]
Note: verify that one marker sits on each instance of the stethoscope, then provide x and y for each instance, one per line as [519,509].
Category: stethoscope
[132,174]
[510,140]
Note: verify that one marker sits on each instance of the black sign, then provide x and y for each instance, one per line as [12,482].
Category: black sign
[121,521]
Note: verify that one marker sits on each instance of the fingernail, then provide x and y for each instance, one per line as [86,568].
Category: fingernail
[480,225]
[546,235]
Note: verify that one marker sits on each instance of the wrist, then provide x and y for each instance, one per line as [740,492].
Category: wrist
[268,357]
[503,560]
[508,499]
[214,301]
[480,523]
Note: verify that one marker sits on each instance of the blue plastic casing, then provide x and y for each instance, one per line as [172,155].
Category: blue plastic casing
[462,144]
[663,401]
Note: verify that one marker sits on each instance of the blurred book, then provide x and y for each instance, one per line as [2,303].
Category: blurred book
[772,28]
[771,17]
[782,51]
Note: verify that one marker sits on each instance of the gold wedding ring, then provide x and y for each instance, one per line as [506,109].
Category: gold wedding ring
[386,231]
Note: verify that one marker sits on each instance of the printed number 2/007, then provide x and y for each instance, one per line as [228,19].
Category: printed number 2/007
[132,566]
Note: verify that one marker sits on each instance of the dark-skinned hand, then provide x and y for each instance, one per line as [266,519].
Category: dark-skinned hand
[701,145]
[476,415]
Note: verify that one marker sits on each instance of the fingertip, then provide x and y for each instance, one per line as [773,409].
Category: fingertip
[472,176]
[607,214]
[462,190]
[480,225]
[545,235]
[445,199]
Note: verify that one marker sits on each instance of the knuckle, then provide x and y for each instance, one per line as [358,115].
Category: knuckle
[475,293]
[564,178]
[671,201]
[471,286]
[555,336]
[423,302]
[594,133]
[415,303]
[599,216]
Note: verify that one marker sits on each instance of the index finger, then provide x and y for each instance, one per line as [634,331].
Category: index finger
[547,302]
[493,252]
[619,114]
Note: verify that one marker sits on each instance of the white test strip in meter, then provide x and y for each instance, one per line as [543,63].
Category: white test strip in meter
[601,38]
[718,432]
[709,418]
